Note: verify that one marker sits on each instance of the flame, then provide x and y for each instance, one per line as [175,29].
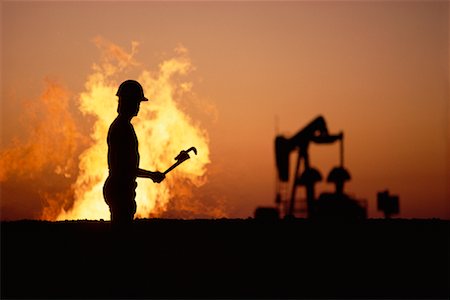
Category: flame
[52,133]
[42,164]
[63,161]
[163,130]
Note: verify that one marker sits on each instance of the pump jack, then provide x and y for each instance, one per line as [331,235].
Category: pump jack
[315,132]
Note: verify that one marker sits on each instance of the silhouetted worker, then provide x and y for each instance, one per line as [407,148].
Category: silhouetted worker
[123,157]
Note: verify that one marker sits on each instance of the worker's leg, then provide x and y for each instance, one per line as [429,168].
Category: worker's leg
[120,198]
[121,216]
[126,206]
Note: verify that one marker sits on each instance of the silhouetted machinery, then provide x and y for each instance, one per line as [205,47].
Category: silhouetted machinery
[327,205]
[388,204]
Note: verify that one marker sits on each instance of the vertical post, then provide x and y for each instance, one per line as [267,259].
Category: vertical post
[294,186]
[309,185]
[342,149]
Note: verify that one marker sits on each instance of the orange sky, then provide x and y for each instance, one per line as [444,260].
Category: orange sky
[377,71]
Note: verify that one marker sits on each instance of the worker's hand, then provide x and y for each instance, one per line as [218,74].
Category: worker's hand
[157,176]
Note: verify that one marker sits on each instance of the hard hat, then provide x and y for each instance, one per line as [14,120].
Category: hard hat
[131,89]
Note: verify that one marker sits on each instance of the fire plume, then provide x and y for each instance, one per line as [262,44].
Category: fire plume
[162,127]
[52,131]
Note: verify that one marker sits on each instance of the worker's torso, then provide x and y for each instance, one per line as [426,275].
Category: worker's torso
[123,154]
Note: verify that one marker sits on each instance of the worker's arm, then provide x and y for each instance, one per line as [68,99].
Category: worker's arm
[155,176]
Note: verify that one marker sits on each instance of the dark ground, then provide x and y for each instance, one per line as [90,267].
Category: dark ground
[226,259]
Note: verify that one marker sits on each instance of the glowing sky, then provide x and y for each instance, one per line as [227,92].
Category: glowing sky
[378,71]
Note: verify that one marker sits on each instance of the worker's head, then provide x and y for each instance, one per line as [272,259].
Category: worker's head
[130,94]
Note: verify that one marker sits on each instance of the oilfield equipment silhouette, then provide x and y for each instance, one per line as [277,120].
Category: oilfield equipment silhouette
[337,204]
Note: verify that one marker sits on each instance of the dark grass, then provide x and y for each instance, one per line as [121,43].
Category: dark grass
[226,258]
